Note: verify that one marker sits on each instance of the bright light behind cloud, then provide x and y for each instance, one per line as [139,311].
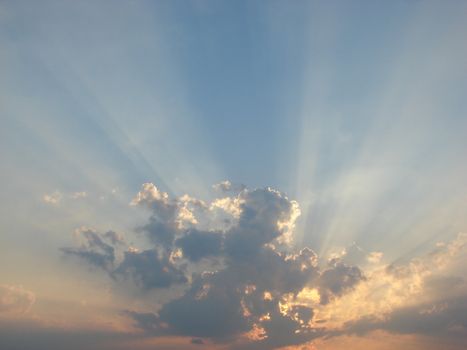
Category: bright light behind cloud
[233,175]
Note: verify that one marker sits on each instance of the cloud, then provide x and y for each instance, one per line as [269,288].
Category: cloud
[412,297]
[57,197]
[246,284]
[338,279]
[356,255]
[15,299]
[209,309]
[148,270]
[161,232]
[144,320]
[197,244]
[52,198]
[151,196]
[446,318]
[169,217]
[78,195]
[375,257]
[197,341]
[227,186]
[229,205]
[252,289]
[98,250]
[114,238]
[32,334]
[265,215]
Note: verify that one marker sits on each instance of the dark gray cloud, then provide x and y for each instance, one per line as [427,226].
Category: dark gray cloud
[338,279]
[255,275]
[224,303]
[160,232]
[209,309]
[149,270]
[31,335]
[164,222]
[98,250]
[260,212]
[147,321]
[283,330]
[114,238]
[197,244]
[255,279]
[443,318]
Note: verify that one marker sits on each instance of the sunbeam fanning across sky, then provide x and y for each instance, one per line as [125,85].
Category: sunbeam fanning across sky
[207,174]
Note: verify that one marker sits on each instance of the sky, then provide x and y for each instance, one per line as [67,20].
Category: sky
[209,174]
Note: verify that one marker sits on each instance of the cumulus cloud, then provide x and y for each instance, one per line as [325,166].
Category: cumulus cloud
[250,286]
[15,299]
[245,282]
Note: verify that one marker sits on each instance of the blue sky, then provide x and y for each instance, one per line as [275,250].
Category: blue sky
[355,110]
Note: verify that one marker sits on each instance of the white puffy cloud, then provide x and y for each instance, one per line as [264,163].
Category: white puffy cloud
[150,194]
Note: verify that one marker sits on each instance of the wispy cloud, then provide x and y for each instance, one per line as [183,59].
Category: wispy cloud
[52,198]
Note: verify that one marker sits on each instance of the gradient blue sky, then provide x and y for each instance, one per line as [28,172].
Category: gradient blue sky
[355,109]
